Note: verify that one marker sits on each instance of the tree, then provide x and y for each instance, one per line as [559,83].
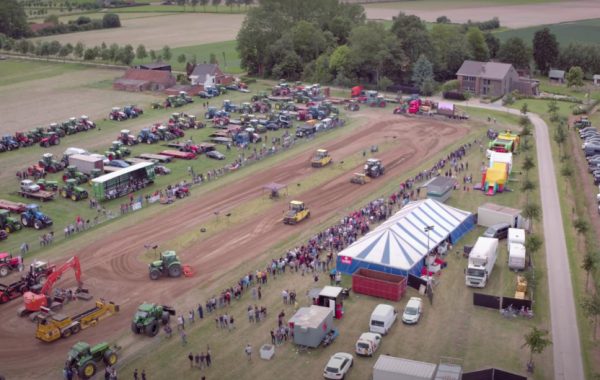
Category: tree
[590,260]
[64,51]
[514,51]
[194,4]
[140,52]
[204,3]
[528,186]
[111,20]
[581,226]
[536,340]
[78,50]
[216,4]
[574,77]
[113,50]
[524,109]
[22,46]
[528,163]
[53,19]
[307,40]
[125,55]
[230,3]
[422,72]
[560,136]
[13,20]
[532,212]
[477,46]
[413,35]
[545,50]
[89,54]
[552,106]
[181,58]
[166,53]
[152,55]
[212,59]
[450,50]
[591,308]
[54,47]
[442,20]
[493,44]
[533,244]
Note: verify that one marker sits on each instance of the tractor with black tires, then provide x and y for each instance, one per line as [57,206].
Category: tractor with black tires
[83,359]
[168,265]
[72,191]
[149,316]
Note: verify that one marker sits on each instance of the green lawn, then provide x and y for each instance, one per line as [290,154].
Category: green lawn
[178,8]
[567,32]
[226,54]
[15,71]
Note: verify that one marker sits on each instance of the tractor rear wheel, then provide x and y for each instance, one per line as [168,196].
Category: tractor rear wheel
[38,225]
[74,198]
[152,329]
[63,193]
[66,333]
[165,317]
[3,271]
[87,370]
[24,221]
[154,274]
[175,270]
[7,229]
[75,329]
[135,329]
[110,357]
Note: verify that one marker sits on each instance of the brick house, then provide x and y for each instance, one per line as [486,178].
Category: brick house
[144,80]
[493,79]
[208,74]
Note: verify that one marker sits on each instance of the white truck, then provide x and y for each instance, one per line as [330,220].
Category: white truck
[516,249]
[481,262]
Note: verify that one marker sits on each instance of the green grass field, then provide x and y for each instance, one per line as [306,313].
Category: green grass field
[188,9]
[225,52]
[452,4]
[567,32]
[22,71]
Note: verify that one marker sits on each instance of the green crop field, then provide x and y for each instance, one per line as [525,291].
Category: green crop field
[226,53]
[178,8]
[12,72]
[566,32]
[452,4]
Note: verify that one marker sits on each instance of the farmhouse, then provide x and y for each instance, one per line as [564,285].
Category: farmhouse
[208,74]
[144,80]
[557,76]
[493,79]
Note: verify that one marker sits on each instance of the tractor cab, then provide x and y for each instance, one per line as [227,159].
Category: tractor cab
[373,168]
[296,213]
[321,158]
[168,265]
[79,351]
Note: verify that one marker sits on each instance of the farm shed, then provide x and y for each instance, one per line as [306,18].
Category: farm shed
[393,368]
[557,75]
[440,188]
[489,214]
[399,245]
[190,90]
[378,284]
[144,80]
[596,78]
[160,66]
[310,324]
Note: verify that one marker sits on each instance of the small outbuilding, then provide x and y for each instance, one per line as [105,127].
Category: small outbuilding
[490,214]
[159,65]
[390,367]
[557,76]
[596,79]
[144,80]
[440,188]
[311,324]
[332,298]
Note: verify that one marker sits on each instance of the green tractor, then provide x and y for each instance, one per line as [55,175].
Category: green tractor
[47,185]
[148,316]
[117,150]
[84,359]
[71,190]
[8,223]
[168,265]
[72,173]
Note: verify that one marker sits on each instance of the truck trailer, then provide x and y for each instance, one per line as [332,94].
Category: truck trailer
[517,254]
[481,262]
[86,164]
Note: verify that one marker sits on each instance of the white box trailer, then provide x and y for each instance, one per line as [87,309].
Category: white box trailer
[516,256]
[516,235]
[490,214]
[392,368]
[86,164]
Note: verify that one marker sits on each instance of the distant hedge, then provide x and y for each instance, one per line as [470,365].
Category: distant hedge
[82,24]
[455,95]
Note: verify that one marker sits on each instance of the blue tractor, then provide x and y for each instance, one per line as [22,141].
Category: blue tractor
[10,143]
[130,111]
[33,217]
[147,137]
[213,112]
[212,91]
[229,107]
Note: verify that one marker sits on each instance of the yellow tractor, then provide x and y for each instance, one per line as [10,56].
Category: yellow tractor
[321,158]
[360,178]
[297,213]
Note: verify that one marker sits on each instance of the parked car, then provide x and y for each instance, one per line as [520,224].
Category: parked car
[367,344]
[29,186]
[119,164]
[215,155]
[498,231]
[338,366]
[412,311]
[162,170]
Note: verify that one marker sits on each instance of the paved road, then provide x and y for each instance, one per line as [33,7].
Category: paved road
[566,344]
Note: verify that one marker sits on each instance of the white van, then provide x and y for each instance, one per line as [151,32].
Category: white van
[382,319]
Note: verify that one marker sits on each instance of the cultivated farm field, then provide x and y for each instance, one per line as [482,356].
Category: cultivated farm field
[155,32]
[587,31]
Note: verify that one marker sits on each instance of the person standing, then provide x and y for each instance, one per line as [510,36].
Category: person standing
[191,358]
[248,351]
[135,374]
[183,337]
[143,374]
[200,311]
[207,357]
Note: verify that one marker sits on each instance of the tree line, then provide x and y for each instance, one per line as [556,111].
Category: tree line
[330,42]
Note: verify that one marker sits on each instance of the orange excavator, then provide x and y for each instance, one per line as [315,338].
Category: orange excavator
[34,302]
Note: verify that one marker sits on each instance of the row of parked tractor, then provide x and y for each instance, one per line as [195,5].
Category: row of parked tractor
[130,111]
[46,137]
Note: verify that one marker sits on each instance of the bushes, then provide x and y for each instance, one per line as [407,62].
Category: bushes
[455,95]
[111,20]
[81,24]
[450,85]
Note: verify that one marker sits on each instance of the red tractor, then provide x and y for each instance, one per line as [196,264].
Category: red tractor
[38,273]
[126,138]
[221,120]
[23,139]
[117,114]
[50,138]
[8,263]
[174,129]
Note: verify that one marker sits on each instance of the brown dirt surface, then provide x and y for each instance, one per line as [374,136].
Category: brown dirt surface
[512,16]
[155,32]
[59,97]
[113,270]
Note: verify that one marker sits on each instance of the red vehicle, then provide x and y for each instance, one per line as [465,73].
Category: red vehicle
[51,138]
[174,129]
[221,120]
[34,302]
[38,272]
[356,91]
[178,154]
[8,263]
[11,206]
[12,291]
[22,139]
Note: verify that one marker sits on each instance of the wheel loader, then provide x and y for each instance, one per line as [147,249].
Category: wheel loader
[321,158]
[296,213]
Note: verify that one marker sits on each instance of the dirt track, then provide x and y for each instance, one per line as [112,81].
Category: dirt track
[112,267]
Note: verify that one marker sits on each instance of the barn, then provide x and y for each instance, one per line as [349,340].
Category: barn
[399,245]
[144,80]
